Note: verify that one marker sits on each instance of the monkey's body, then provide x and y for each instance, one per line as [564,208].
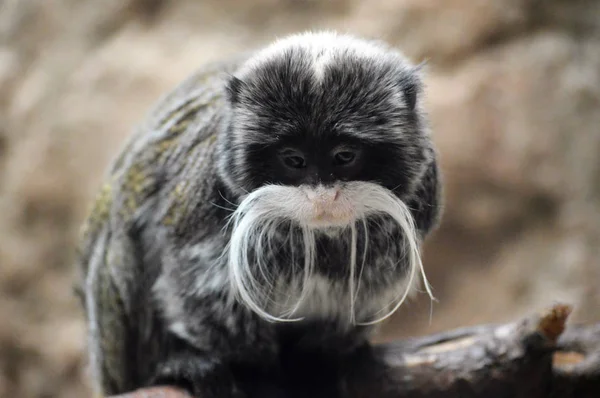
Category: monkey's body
[157,286]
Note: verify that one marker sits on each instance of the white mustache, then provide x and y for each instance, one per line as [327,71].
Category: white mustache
[262,212]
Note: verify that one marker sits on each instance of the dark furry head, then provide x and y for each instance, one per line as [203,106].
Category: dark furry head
[325,134]
[321,108]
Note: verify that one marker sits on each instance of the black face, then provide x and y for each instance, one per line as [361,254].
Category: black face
[301,164]
[335,159]
[356,123]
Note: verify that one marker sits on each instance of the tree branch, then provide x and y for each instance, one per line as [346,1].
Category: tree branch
[531,358]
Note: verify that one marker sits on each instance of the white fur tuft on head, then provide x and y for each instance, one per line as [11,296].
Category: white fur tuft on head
[322,47]
[260,216]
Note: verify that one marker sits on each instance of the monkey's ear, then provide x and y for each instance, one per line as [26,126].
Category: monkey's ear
[233,89]
[411,85]
[411,91]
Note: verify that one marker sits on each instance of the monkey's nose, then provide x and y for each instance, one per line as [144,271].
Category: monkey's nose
[323,195]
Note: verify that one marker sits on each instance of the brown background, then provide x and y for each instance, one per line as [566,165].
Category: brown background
[514,94]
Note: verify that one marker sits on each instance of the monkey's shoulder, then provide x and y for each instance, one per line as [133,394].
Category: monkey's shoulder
[174,142]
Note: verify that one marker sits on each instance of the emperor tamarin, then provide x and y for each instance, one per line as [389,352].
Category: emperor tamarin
[270,207]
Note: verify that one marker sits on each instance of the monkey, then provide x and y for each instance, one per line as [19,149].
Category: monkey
[265,216]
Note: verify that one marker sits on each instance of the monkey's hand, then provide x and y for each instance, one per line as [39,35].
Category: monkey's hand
[200,376]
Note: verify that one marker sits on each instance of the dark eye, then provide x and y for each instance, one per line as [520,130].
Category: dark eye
[293,159]
[343,158]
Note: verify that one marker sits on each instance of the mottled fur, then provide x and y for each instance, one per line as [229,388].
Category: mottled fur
[154,254]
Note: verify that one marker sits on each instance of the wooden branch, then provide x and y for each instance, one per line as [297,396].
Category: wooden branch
[156,392]
[512,360]
[531,358]
[577,362]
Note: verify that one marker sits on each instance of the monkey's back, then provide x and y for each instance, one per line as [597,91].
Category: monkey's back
[160,174]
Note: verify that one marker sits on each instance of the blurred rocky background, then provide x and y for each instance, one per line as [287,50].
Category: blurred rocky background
[514,94]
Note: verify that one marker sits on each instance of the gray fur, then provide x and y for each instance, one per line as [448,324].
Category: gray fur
[154,251]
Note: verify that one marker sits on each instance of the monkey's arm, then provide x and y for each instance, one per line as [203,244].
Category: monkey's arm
[208,336]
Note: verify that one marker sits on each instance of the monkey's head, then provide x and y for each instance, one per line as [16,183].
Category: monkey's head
[325,131]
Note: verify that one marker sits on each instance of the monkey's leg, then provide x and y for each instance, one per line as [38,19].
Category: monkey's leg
[108,331]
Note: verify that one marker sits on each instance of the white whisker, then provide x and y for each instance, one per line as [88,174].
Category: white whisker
[352,280]
[381,201]
[362,266]
[308,236]
[221,207]
[227,200]
[277,293]
[255,223]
